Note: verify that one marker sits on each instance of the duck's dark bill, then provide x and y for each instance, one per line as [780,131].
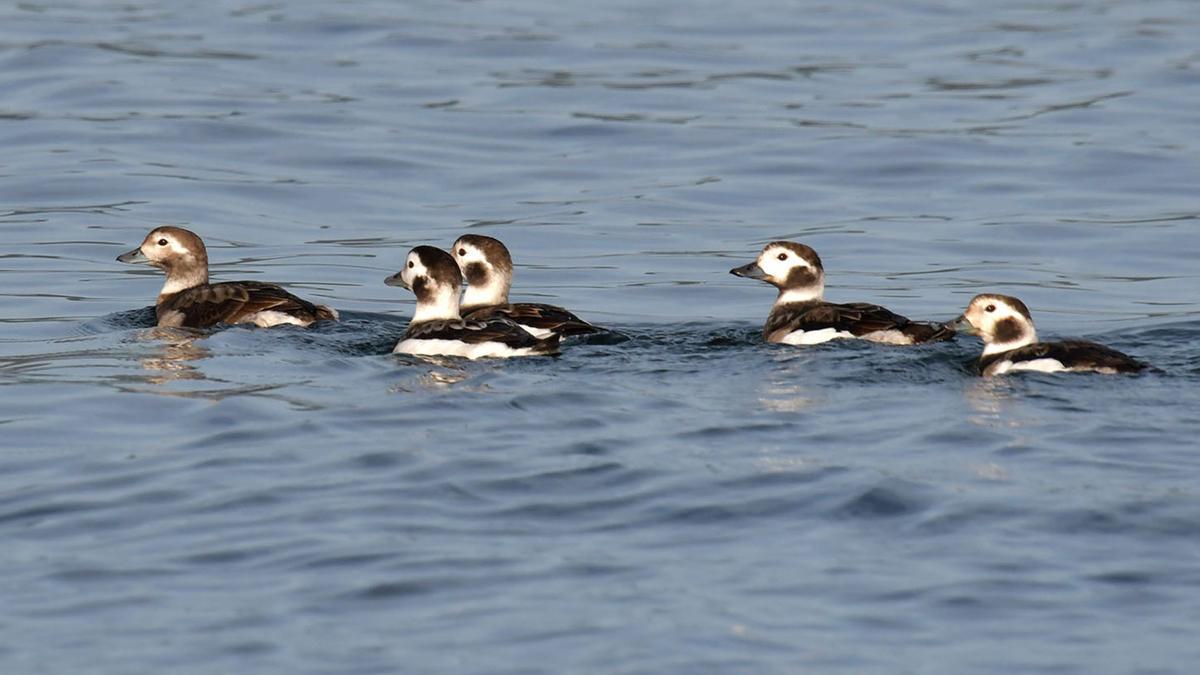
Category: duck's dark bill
[134,256]
[963,326]
[751,271]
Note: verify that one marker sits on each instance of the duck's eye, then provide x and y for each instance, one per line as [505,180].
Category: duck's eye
[783,256]
[989,308]
[162,242]
[411,264]
[462,251]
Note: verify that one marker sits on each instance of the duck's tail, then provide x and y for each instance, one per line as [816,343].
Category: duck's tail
[325,313]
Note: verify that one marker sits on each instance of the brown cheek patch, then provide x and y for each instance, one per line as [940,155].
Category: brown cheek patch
[800,277]
[1007,330]
[476,274]
[422,289]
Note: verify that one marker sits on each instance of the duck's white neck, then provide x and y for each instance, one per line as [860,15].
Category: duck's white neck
[1028,337]
[181,281]
[806,294]
[442,306]
[494,292]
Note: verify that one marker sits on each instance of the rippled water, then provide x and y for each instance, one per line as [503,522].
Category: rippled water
[685,500]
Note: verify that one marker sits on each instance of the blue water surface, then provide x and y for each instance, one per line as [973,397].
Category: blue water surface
[684,499]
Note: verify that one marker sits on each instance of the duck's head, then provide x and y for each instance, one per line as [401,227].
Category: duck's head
[487,267]
[793,268]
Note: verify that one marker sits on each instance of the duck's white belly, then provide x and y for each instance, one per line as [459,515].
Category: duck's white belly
[1035,365]
[481,350]
[268,318]
[814,337]
[889,337]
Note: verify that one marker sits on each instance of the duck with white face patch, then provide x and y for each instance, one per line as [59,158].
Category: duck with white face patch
[187,300]
[438,329]
[800,315]
[1010,342]
[487,267]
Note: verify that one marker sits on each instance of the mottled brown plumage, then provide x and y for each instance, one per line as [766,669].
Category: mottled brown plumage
[473,332]
[187,300]
[487,267]
[235,302]
[800,314]
[549,318]
[1010,342]
[857,318]
[1073,354]
[437,328]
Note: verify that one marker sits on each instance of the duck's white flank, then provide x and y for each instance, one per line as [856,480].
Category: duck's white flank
[437,347]
[268,318]
[814,337]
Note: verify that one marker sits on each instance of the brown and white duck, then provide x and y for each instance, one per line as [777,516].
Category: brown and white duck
[800,315]
[487,266]
[437,328]
[1010,342]
[187,300]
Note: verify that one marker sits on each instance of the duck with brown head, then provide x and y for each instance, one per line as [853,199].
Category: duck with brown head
[1010,342]
[187,300]
[800,315]
[487,266]
[437,328]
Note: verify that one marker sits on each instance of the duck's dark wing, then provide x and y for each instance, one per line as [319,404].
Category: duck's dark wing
[495,329]
[545,317]
[857,318]
[1072,354]
[235,301]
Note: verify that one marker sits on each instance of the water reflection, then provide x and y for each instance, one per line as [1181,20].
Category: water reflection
[173,360]
[1003,403]
[785,390]
[786,396]
[444,375]
[990,398]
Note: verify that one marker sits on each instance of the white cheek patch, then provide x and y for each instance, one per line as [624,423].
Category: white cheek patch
[814,337]
[472,256]
[411,273]
[780,269]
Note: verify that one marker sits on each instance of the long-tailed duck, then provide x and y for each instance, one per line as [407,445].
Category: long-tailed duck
[187,300]
[488,268]
[438,329]
[1010,342]
[800,315]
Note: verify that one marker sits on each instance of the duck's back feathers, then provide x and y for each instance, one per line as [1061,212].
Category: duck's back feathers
[821,321]
[496,336]
[1078,355]
[253,302]
[536,318]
